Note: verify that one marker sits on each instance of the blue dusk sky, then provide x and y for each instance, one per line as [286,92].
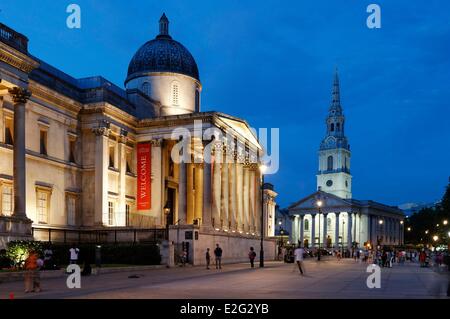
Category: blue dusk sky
[272,63]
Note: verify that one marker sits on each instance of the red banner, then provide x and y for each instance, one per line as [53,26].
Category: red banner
[144,168]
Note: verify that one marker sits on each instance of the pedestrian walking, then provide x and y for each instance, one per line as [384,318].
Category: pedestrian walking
[74,252]
[32,277]
[299,259]
[218,255]
[252,256]
[208,258]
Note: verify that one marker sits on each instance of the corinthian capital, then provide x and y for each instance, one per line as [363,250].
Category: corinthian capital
[19,95]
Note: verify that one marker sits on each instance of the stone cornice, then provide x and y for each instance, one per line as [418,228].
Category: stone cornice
[45,94]
[17,59]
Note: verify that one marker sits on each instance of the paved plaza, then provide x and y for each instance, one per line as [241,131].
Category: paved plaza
[326,279]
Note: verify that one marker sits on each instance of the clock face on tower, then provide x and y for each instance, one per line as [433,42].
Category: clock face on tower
[329,183]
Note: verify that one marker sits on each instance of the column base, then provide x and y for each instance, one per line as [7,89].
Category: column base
[14,228]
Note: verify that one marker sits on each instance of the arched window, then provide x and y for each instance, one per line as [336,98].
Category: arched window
[306,224]
[175,93]
[332,127]
[338,127]
[146,88]
[330,163]
[197,101]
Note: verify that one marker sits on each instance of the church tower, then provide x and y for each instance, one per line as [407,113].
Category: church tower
[334,154]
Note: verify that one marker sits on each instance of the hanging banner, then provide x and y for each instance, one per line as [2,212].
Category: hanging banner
[144,168]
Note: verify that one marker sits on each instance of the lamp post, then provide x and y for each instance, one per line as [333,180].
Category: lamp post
[319,204]
[262,169]
[166,213]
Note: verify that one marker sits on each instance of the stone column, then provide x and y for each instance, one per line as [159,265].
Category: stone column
[182,193]
[224,192]
[246,200]
[239,196]
[325,230]
[20,97]
[294,230]
[207,191]
[336,231]
[217,183]
[101,173]
[349,230]
[198,215]
[120,213]
[251,199]
[302,230]
[313,230]
[232,196]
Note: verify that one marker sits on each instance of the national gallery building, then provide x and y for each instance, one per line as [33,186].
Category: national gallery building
[83,158]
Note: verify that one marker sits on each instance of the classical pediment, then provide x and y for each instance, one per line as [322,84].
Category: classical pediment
[329,202]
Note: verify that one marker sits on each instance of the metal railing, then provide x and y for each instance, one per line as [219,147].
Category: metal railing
[99,236]
[13,38]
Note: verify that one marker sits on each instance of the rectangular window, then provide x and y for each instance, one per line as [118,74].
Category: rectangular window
[110,213]
[7,200]
[42,207]
[43,142]
[9,130]
[127,215]
[129,163]
[112,154]
[71,211]
[72,150]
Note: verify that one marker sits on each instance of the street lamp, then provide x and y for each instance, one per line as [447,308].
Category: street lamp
[166,213]
[262,169]
[319,204]
[445,222]
[435,238]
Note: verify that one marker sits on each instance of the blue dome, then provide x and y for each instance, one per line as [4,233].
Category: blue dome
[163,54]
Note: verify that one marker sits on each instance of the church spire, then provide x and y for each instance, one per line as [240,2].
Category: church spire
[335,107]
[163,26]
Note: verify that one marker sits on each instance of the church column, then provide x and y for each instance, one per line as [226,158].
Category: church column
[101,173]
[302,230]
[217,182]
[325,230]
[349,230]
[294,230]
[336,231]
[313,230]
[207,191]
[20,97]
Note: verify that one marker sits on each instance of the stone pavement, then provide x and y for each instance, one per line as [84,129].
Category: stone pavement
[330,278]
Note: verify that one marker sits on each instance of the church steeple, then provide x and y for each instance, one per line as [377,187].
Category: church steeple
[334,155]
[335,108]
[163,27]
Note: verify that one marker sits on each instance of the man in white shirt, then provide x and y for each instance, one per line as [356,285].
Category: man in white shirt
[74,255]
[298,253]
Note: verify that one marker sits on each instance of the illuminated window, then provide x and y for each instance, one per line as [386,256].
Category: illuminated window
[42,207]
[306,224]
[7,200]
[330,163]
[110,213]
[175,93]
[71,210]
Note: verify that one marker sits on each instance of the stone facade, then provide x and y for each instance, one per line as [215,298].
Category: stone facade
[69,151]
